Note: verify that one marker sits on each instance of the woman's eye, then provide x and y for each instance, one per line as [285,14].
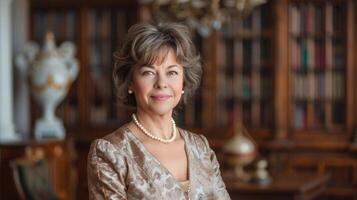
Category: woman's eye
[173,73]
[146,73]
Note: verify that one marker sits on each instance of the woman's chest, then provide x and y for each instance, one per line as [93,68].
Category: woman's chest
[172,158]
[149,179]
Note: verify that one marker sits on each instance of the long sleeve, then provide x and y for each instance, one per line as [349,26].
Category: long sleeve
[220,192]
[220,188]
[106,171]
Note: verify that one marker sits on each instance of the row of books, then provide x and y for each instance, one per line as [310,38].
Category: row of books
[309,18]
[245,87]
[100,56]
[244,81]
[329,86]
[246,53]
[106,28]
[62,23]
[253,114]
[101,100]
[309,53]
[107,25]
[300,119]
[224,115]
[99,28]
[320,116]
[316,50]
[99,24]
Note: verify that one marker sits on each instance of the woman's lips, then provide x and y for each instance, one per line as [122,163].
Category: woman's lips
[160,97]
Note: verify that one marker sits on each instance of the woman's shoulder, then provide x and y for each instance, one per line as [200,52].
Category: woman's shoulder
[116,140]
[198,140]
[109,150]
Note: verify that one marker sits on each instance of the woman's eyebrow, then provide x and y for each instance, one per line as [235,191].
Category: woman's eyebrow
[152,67]
[147,66]
[171,66]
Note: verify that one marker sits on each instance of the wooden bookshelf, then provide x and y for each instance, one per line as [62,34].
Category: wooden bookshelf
[318,65]
[245,71]
[106,27]
[315,101]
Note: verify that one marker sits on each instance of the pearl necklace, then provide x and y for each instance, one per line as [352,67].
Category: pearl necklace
[141,127]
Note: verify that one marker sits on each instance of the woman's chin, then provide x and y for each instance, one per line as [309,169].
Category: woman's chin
[162,110]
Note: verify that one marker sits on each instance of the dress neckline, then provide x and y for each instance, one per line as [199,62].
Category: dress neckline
[185,185]
[148,153]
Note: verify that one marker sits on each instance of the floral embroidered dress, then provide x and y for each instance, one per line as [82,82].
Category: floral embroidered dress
[120,167]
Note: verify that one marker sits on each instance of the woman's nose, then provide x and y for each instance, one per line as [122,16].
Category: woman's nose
[160,81]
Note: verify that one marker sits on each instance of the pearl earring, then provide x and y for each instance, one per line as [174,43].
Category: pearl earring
[130,91]
[183,92]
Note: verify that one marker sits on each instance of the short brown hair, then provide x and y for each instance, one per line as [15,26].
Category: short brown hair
[143,45]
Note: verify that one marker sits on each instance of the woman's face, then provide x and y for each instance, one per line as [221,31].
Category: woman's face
[158,88]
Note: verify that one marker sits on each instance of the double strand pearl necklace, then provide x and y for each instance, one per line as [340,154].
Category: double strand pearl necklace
[141,127]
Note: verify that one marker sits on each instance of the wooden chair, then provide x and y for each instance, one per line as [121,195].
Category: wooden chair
[31,177]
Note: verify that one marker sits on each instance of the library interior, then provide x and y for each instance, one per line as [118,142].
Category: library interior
[277,99]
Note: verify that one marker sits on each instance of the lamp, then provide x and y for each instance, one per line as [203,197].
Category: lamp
[202,15]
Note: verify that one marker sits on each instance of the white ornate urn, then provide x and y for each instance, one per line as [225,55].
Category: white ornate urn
[51,71]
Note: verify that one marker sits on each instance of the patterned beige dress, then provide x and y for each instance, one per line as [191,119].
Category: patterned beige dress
[120,167]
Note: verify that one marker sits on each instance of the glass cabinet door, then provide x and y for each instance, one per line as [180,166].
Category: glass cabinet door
[317,39]
[245,71]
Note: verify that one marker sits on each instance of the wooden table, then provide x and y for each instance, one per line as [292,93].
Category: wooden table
[283,187]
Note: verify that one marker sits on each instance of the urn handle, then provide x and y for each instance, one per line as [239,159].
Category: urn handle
[72,66]
[27,56]
[67,50]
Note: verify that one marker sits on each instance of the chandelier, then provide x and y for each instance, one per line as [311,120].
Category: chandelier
[201,15]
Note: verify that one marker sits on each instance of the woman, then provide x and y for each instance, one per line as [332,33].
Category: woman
[149,157]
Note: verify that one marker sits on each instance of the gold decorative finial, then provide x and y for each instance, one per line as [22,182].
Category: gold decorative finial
[49,35]
[49,45]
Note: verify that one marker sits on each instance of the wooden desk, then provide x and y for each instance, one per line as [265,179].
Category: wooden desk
[287,187]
